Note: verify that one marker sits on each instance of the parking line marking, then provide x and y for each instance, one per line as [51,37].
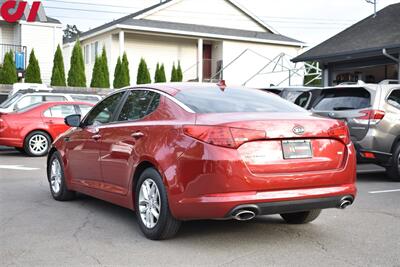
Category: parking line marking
[384,191]
[18,167]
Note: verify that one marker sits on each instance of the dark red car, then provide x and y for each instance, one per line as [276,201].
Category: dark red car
[179,152]
[33,128]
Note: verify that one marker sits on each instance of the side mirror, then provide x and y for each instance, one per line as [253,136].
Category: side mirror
[73,120]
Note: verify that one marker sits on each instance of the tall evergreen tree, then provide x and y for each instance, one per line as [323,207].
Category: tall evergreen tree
[179,73]
[104,69]
[174,74]
[98,80]
[143,75]
[58,72]
[8,72]
[32,74]
[157,74]
[76,73]
[162,78]
[126,78]
[117,83]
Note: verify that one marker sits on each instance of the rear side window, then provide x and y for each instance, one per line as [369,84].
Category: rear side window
[54,98]
[60,111]
[394,98]
[231,100]
[27,101]
[344,99]
[139,104]
[85,98]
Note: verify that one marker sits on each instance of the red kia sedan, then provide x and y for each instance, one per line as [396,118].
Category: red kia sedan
[178,152]
[33,128]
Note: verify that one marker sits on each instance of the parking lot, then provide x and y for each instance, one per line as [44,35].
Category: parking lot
[38,231]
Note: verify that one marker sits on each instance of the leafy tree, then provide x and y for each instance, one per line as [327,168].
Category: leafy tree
[179,73]
[126,78]
[71,32]
[32,74]
[174,74]
[104,69]
[76,74]
[58,72]
[143,75]
[8,72]
[117,74]
[162,78]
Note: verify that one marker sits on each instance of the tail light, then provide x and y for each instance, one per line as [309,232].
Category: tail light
[341,133]
[371,116]
[222,135]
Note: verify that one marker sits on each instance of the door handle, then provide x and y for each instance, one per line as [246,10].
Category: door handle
[137,135]
[96,137]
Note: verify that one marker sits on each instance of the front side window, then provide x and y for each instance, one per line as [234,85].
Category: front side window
[394,98]
[139,104]
[104,111]
[60,111]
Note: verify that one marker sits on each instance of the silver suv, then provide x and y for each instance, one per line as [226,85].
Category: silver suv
[372,112]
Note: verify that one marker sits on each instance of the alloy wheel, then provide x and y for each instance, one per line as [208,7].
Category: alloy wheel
[38,144]
[55,176]
[149,203]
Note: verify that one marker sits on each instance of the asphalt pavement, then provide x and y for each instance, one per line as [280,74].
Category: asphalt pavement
[35,230]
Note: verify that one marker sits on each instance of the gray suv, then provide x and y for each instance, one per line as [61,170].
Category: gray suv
[372,112]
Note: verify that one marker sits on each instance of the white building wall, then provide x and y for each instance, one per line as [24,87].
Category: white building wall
[44,38]
[159,49]
[7,34]
[250,63]
[217,13]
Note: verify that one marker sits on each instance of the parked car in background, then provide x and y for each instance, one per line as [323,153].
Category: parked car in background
[372,112]
[299,95]
[22,100]
[33,128]
[176,152]
[29,87]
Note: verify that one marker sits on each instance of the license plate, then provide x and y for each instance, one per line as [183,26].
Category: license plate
[297,149]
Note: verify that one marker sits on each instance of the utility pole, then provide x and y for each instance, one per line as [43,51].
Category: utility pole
[374,3]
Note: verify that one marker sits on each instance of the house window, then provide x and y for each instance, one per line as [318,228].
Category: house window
[87,54]
[94,51]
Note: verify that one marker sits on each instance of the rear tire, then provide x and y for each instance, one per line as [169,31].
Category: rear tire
[56,178]
[301,217]
[151,200]
[37,144]
[393,171]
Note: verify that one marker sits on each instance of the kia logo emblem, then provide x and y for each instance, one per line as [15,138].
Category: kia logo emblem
[299,130]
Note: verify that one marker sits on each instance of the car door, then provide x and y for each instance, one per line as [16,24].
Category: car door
[54,116]
[121,142]
[82,145]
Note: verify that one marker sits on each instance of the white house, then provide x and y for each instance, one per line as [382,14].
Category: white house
[225,41]
[21,36]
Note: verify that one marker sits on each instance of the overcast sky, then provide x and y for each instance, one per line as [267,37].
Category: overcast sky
[310,21]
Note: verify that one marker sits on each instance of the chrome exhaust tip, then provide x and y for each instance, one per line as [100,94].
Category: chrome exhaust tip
[345,202]
[244,215]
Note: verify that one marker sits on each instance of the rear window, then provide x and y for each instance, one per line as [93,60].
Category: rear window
[230,100]
[344,99]
[394,98]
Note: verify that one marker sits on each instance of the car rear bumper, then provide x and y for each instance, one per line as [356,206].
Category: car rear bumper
[218,206]
[381,158]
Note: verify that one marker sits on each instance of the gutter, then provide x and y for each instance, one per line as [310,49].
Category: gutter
[390,56]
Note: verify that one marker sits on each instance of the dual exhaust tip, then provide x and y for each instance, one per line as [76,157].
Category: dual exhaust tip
[246,214]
